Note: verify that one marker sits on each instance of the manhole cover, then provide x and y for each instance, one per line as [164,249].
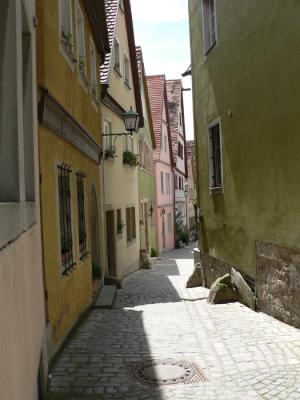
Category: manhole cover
[167,372]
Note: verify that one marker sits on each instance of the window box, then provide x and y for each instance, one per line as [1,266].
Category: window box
[130,158]
[111,152]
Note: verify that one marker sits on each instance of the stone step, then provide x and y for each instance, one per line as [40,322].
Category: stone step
[106,297]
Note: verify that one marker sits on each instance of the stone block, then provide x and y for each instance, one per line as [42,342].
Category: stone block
[197,277]
[246,295]
[222,291]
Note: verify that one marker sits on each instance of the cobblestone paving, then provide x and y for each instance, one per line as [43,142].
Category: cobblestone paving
[245,355]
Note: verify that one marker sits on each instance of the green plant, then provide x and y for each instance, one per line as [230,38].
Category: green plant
[153,253]
[81,63]
[110,152]
[130,158]
[67,40]
[120,226]
[96,271]
[184,237]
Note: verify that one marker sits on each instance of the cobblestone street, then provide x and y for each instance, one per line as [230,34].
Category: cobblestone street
[243,354]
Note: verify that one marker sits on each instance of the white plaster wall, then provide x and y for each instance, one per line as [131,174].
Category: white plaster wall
[22,316]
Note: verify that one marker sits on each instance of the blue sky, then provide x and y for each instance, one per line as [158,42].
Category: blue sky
[161,29]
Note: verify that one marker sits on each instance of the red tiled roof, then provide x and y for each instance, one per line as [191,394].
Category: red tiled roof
[156,90]
[111,9]
[174,99]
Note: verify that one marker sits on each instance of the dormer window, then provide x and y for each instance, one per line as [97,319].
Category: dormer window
[117,55]
[126,70]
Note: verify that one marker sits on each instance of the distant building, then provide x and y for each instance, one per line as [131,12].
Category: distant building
[177,130]
[164,162]
[72,42]
[191,184]
[23,349]
[246,89]
[120,80]
[146,167]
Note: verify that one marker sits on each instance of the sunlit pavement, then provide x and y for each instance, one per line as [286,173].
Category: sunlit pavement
[243,354]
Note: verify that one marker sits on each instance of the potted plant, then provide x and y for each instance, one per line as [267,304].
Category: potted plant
[81,64]
[67,40]
[130,158]
[120,227]
[110,152]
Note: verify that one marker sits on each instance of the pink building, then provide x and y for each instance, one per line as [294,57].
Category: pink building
[163,163]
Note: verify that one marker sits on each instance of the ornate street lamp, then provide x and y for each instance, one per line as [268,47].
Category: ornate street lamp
[131,121]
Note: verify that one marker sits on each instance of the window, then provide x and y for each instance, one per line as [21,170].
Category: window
[81,215]
[169,218]
[161,182]
[209,25]
[130,224]
[81,58]
[180,150]
[17,185]
[108,131]
[119,222]
[126,69]
[168,182]
[116,55]
[65,224]
[66,33]
[165,138]
[176,181]
[93,71]
[215,156]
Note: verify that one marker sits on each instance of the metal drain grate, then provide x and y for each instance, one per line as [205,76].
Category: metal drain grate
[167,372]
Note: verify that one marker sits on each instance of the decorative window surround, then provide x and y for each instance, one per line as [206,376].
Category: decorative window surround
[66,30]
[81,54]
[53,116]
[126,71]
[116,55]
[215,156]
[209,25]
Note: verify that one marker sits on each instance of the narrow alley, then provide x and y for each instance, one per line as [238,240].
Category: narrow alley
[215,351]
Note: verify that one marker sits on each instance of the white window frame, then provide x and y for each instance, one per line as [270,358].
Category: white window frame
[94,76]
[64,41]
[210,125]
[116,60]
[210,36]
[82,71]
[126,73]
[107,129]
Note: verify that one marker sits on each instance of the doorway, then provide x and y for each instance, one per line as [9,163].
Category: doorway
[111,244]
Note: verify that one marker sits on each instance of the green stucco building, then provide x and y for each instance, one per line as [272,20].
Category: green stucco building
[246,88]
[147,192]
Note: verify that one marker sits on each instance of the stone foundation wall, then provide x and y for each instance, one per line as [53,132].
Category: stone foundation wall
[213,268]
[278,282]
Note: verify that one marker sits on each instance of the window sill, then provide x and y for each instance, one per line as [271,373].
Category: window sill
[82,79]
[117,70]
[132,242]
[216,190]
[210,49]
[126,83]
[68,56]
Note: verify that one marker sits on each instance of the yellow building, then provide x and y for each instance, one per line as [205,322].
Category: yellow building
[119,76]
[71,40]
